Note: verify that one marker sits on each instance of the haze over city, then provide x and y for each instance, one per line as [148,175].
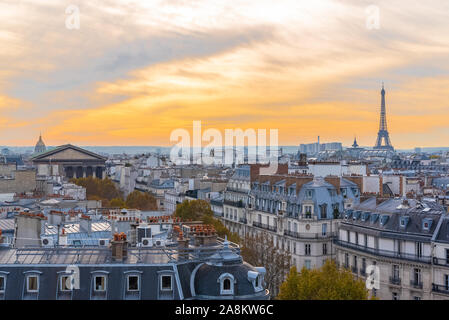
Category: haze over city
[136,70]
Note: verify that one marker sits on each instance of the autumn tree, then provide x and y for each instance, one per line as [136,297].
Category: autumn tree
[200,210]
[260,250]
[117,203]
[98,189]
[326,283]
[141,200]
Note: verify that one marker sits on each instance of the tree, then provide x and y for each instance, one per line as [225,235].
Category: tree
[200,210]
[117,203]
[260,250]
[98,188]
[141,200]
[326,283]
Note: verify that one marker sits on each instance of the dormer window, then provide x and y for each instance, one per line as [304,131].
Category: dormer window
[383,220]
[403,221]
[32,283]
[226,281]
[309,194]
[426,224]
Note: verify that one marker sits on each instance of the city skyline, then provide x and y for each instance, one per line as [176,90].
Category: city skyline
[134,72]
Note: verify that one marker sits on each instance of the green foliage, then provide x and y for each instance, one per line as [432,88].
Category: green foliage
[325,283]
[141,200]
[199,210]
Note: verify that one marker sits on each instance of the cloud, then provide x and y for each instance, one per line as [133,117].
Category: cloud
[138,69]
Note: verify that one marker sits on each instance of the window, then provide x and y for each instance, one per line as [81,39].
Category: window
[294,247]
[346,260]
[418,249]
[166,282]
[355,262]
[307,249]
[446,281]
[363,265]
[133,283]
[227,283]
[416,276]
[309,194]
[2,284]
[395,296]
[447,256]
[33,283]
[66,283]
[417,298]
[366,239]
[395,271]
[324,229]
[307,264]
[324,249]
[100,283]
[356,238]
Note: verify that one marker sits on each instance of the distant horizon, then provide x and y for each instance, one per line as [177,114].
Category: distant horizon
[31,148]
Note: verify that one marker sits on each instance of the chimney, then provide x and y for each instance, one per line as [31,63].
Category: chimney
[85,224]
[29,228]
[63,238]
[56,217]
[119,247]
[183,245]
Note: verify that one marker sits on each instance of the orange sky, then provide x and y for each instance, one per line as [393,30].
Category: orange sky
[136,70]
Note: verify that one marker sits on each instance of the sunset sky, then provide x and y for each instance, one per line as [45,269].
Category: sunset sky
[136,70]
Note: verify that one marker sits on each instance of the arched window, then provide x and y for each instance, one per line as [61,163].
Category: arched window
[226,281]
[227,284]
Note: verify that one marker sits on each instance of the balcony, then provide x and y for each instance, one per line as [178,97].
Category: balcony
[243,220]
[440,288]
[264,226]
[395,281]
[383,253]
[238,204]
[416,284]
[441,262]
[299,235]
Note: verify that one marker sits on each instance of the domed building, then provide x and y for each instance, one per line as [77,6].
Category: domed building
[226,276]
[40,146]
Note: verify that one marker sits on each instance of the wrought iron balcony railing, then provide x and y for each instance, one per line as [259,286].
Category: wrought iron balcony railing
[440,288]
[264,226]
[416,284]
[395,280]
[383,253]
[299,235]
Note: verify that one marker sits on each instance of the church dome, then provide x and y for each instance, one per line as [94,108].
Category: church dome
[40,146]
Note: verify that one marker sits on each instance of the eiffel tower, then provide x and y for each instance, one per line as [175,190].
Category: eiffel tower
[383,131]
